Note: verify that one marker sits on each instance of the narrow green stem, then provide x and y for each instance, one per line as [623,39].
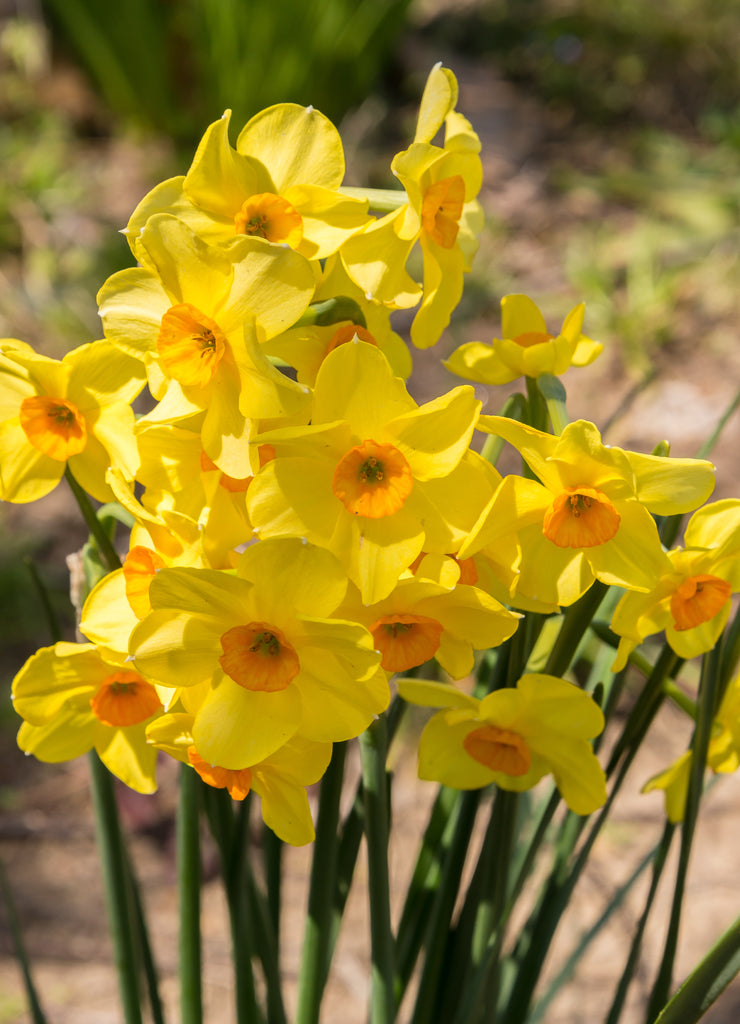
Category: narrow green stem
[316,941]
[681,699]
[107,551]
[14,925]
[116,881]
[708,687]
[382,200]
[374,752]
[272,858]
[575,624]
[188,876]
[552,390]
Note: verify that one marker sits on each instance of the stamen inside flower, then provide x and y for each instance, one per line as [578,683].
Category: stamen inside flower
[373,480]
[53,426]
[581,518]
[441,210]
[698,599]
[125,699]
[190,345]
[138,571]
[271,217]
[346,332]
[258,657]
[237,781]
[530,338]
[405,641]
[498,749]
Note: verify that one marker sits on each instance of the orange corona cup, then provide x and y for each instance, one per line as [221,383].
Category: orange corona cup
[373,480]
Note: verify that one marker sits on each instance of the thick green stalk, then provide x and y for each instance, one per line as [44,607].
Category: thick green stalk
[188,877]
[552,390]
[317,936]
[575,625]
[374,752]
[381,200]
[116,881]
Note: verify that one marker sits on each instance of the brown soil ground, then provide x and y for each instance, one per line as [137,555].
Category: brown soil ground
[47,830]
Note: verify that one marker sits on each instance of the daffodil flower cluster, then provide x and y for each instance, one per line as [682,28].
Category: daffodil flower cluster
[303,528]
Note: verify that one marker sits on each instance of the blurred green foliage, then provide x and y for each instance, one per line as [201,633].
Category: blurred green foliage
[673,64]
[176,66]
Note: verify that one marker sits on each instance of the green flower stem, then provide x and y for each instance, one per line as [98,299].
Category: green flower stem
[381,200]
[432,978]
[575,625]
[374,753]
[332,311]
[646,706]
[708,687]
[707,981]
[659,855]
[424,884]
[552,390]
[316,941]
[679,698]
[188,875]
[19,948]
[103,541]
[42,593]
[116,881]
[537,414]
[272,858]
[268,948]
[147,957]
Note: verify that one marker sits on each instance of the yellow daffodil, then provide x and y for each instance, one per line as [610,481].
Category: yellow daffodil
[372,476]
[195,315]
[278,666]
[430,616]
[691,601]
[723,756]
[442,214]
[513,738]
[587,516]
[280,184]
[526,349]
[72,700]
[279,780]
[73,411]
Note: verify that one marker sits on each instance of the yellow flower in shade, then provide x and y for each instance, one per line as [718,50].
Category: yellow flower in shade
[195,314]
[279,780]
[373,475]
[526,349]
[72,700]
[442,214]
[723,756]
[430,616]
[305,348]
[268,642]
[72,411]
[691,601]
[280,184]
[587,516]
[513,737]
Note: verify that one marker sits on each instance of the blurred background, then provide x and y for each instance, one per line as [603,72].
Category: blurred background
[611,149]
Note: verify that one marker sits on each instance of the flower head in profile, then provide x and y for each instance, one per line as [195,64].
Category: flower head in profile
[73,700]
[587,515]
[513,738]
[279,780]
[526,348]
[442,214]
[691,600]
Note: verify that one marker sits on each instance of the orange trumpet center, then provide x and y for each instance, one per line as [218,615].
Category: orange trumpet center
[373,480]
[405,641]
[258,657]
[441,210]
[271,217]
[53,426]
[125,699]
[190,345]
[237,781]
[530,338]
[580,518]
[346,332]
[498,749]
[697,600]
